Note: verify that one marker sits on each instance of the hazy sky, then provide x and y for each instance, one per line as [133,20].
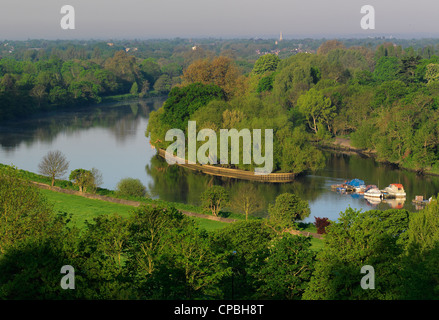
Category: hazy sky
[112,19]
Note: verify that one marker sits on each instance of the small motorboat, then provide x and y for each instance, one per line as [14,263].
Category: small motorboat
[373,193]
[395,190]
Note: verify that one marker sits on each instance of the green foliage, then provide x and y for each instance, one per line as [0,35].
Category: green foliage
[247,201]
[30,86]
[266,63]
[432,72]
[362,138]
[134,88]
[156,252]
[316,108]
[168,257]
[131,187]
[293,152]
[214,199]
[375,238]
[24,212]
[287,209]
[386,69]
[183,102]
[246,245]
[86,179]
[287,270]
[422,254]
[266,83]
[30,270]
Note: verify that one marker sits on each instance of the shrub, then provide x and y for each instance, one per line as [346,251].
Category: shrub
[131,187]
[321,224]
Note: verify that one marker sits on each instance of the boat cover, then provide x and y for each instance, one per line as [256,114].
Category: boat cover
[355,183]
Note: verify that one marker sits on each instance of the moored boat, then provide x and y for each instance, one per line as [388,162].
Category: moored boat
[356,185]
[395,190]
[373,193]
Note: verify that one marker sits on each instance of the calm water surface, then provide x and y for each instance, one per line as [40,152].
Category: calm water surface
[111,138]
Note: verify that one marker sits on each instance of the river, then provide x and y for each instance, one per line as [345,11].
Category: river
[111,138]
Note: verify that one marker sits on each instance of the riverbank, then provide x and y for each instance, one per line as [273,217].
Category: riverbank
[344,145]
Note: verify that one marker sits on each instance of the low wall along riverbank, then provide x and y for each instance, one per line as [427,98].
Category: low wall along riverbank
[235,173]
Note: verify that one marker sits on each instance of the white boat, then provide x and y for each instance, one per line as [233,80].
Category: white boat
[373,193]
[395,190]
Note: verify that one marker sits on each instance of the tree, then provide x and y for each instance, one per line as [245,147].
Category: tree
[214,198]
[288,208]
[266,63]
[265,84]
[376,238]
[386,69]
[220,71]
[150,70]
[151,232]
[287,270]
[432,72]
[131,187]
[183,102]
[317,108]
[54,165]
[247,200]
[134,89]
[163,84]
[202,267]
[422,254]
[407,68]
[124,66]
[30,270]
[24,212]
[330,45]
[246,243]
[86,179]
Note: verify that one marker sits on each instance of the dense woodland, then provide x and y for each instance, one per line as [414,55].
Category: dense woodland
[385,100]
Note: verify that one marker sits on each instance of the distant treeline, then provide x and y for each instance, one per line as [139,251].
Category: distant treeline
[27,86]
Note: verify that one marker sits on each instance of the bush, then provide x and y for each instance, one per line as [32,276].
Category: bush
[321,224]
[131,187]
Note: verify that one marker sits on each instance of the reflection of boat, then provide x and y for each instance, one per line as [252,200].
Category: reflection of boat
[395,203]
[420,203]
[372,201]
[395,190]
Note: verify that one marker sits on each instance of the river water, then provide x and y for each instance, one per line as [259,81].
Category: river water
[111,138]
